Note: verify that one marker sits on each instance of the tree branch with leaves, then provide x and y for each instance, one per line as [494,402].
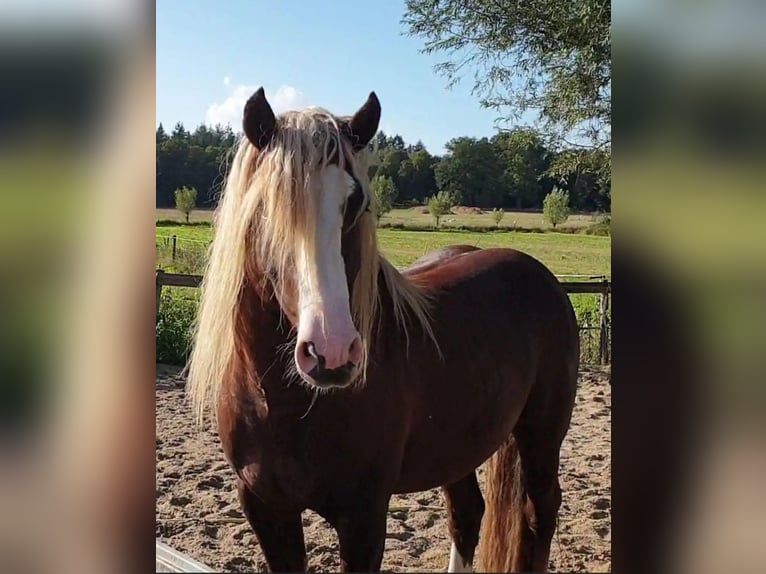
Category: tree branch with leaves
[546,55]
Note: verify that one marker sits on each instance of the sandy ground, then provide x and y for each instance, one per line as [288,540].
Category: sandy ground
[197,511]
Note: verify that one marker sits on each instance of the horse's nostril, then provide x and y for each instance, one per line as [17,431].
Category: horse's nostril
[309,350]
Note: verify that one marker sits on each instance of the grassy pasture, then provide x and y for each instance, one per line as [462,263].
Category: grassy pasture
[511,220]
[564,254]
[413,218]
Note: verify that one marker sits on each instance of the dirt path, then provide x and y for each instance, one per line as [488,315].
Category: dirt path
[197,510]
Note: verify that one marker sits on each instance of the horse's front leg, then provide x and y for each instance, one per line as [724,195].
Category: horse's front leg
[279,532]
[362,535]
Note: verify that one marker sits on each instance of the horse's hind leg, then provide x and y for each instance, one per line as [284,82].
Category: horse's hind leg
[279,532]
[543,499]
[539,436]
[465,508]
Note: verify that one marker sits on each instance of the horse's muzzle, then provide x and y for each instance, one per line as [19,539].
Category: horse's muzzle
[327,378]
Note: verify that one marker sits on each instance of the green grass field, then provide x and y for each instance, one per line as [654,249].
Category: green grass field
[511,220]
[563,253]
[413,218]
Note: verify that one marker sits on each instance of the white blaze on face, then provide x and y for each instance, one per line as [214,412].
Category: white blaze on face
[325,315]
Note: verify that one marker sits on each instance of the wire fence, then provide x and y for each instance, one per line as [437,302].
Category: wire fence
[591,300]
[590,294]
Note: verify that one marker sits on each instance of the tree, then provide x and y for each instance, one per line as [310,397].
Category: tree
[440,204]
[513,169]
[471,172]
[161,135]
[587,176]
[423,179]
[391,160]
[396,142]
[497,216]
[384,192]
[556,207]
[525,160]
[199,159]
[546,55]
[180,133]
[186,200]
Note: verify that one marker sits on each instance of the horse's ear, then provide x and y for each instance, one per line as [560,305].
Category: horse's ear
[363,125]
[259,122]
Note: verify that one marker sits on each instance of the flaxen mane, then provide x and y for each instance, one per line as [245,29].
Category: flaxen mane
[267,212]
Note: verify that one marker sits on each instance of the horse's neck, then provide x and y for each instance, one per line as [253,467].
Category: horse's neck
[262,327]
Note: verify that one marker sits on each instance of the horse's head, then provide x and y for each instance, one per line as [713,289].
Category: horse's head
[312,221]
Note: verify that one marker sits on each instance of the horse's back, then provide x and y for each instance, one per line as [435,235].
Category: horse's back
[437,257]
[501,318]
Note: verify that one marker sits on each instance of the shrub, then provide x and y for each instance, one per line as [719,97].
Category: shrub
[556,207]
[602,227]
[186,200]
[440,205]
[178,309]
[497,216]
[384,191]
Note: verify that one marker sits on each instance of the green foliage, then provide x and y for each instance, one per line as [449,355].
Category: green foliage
[587,175]
[545,55]
[513,169]
[524,161]
[471,172]
[556,207]
[497,216]
[384,192]
[197,159]
[440,205]
[602,227]
[186,200]
[174,331]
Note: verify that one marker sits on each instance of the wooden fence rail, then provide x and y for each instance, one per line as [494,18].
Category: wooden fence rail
[601,286]
[168,559]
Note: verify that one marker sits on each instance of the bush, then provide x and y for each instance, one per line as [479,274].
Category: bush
[603,227]
[174,331]
[186,200]
[556,207]
[497,216]
[440,205]
[384,192]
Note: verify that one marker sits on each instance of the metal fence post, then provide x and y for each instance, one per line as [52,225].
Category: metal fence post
[603,347]
[159,281]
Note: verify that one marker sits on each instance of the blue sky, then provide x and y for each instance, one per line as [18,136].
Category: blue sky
[211,55]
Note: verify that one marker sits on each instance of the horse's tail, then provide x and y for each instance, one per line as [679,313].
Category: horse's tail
[501,543]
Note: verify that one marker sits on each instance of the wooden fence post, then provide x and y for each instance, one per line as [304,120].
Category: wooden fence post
[158,294]
[174,247]
[603,347]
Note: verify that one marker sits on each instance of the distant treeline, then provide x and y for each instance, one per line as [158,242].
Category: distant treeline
[513,169]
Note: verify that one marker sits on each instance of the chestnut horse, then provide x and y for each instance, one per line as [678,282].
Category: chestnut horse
[338,381]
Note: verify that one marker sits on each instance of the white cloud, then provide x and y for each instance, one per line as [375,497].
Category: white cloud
[229,111]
